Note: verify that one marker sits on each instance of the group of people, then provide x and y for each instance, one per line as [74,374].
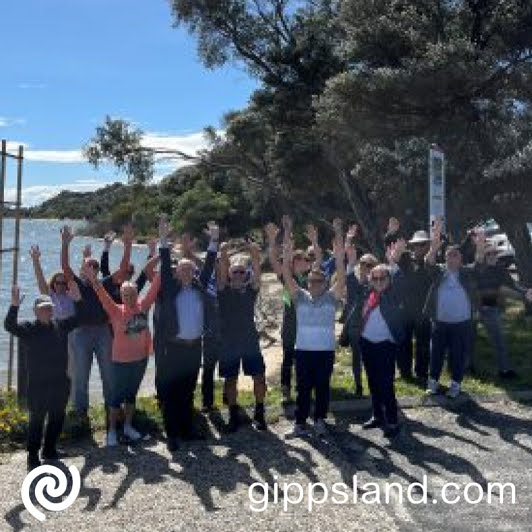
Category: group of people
[204,315]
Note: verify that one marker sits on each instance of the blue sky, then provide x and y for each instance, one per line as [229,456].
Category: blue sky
[71,62]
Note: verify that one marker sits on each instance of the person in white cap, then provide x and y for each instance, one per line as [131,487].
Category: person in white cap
[46,344]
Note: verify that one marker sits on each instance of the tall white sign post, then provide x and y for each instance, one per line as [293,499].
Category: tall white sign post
[436,186]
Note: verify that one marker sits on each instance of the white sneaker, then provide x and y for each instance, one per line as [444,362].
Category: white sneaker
[433,387]
[320,427]
[111,439]
[297,431]
[131,433]
[454,390]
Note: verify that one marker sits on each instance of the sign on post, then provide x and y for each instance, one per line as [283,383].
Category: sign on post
[436,186]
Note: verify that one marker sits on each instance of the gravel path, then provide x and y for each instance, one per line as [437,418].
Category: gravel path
[204,486]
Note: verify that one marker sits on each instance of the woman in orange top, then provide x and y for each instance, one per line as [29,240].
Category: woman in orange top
[132,344]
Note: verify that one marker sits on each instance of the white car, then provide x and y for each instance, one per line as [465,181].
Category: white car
[505,251]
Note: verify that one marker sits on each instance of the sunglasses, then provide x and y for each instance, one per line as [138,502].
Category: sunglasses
[379,278]
[368,264]
[239,272]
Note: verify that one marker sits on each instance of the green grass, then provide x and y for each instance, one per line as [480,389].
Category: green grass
[518,331]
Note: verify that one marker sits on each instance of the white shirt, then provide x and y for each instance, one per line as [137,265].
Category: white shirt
[453,303]
[376,329]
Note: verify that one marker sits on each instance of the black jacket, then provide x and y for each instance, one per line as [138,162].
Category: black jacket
[168,323]
[391,306]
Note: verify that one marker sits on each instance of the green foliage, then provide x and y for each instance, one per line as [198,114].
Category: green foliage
[194,208]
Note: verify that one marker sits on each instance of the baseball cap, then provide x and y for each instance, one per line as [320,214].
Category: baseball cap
[43,301]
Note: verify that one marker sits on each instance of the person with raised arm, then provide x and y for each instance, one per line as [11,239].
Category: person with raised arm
[315,334]
[356,274]
[181,323]
[93,335]
[132,345]
[378,325]
[45,340]
[57,289]
[237,295]
[300,267]
[147,273]
[450,305]
[417,278]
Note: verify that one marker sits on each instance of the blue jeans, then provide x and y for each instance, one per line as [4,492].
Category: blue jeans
[91,340]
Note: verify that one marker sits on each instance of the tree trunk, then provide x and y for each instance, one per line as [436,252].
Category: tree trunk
[519,237]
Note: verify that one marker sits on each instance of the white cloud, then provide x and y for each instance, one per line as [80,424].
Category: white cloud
[7,122]
[36,194]
[191,144]
[32,85]
[54,156]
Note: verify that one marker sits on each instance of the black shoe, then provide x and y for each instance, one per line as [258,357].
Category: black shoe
[172,444]
[258,421]
[391,431]
[508,374]
[193,435]
[53,455]
[233,424]
[373,423]
[33,461]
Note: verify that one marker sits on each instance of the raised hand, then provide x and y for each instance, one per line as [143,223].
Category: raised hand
[393,225]
[152,247]
[352,232]
[35,253]
[337,226]
[213,231]
[73,290]
[66,234]
[164,227]
[87,251]
[16,298]
[397,248]
[88,271]
[311,233]
[271,231]
[436,232]
[127,234]
[287,224]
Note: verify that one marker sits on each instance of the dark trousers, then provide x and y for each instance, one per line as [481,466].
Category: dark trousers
[313,372]
[357,364]
[287,365]
[211,352]
[458,339]
[420,329]
[379,361]
[51,404]
[176,378]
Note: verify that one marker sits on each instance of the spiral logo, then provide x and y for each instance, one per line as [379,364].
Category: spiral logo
[53,475]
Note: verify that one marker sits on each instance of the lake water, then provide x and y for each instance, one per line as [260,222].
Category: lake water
[46,234]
